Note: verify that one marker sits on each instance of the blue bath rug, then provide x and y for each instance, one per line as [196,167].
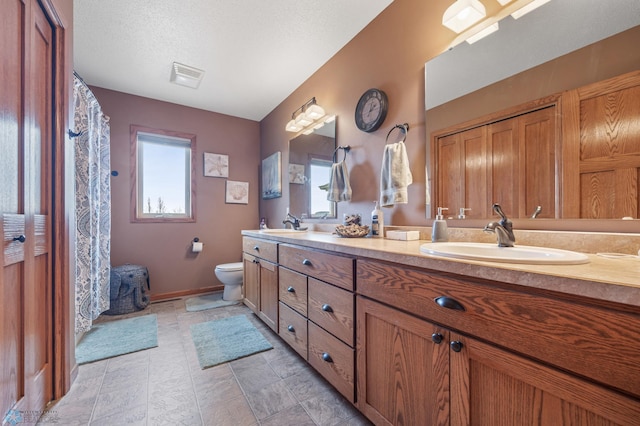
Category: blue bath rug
[226,339]
[112,338]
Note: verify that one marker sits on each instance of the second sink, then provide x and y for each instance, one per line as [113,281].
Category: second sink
[493,253]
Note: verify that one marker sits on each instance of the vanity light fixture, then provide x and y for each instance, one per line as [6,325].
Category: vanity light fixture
[483,33]
[503,2]
[308,117]
[462,14]
[528,8]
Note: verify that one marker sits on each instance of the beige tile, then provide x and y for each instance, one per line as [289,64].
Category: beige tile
[121,400]
[291,416]
[233,412]
[270,399]
[329,408]
[307,385]
[132,416]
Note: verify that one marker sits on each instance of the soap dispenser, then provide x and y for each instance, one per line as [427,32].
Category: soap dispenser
[377,222]
[439,233]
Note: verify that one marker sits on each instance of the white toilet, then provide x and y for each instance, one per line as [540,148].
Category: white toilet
[230,274]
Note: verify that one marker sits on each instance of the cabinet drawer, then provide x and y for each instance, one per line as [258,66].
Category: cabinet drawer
[332,309]
[293,329]
[334,269]
[599,343]
[333,359]
[293,290]
[263,249]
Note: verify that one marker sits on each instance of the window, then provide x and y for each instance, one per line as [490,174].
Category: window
[163,181]
[320,174]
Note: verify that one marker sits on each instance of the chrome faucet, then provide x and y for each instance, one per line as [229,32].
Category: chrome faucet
[502,229]
[294,222]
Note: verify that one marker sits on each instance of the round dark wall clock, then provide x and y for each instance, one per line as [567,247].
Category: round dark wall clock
[371,110]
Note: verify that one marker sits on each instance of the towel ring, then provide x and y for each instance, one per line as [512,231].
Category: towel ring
[403,127]
[346,149]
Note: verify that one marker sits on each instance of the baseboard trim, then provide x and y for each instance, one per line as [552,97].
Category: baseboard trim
[177,294]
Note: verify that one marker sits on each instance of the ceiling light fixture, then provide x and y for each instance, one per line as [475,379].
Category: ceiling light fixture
[187,76]
[503,2]
[308,117]
[528,8]
[463,14]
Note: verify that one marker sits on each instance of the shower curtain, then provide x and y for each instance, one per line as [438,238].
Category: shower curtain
[93,206]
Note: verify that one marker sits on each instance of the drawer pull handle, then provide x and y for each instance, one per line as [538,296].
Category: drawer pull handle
[291,329]
[449,303]
[255,261]
[456,345]
[326,357]
[306,262]
[436,338]
[256,248]
[21,238]
[327,308]
[291,289]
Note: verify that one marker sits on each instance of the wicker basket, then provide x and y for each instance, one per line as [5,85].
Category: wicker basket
[352,231]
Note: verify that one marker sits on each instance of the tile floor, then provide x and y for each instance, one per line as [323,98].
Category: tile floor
[165,385]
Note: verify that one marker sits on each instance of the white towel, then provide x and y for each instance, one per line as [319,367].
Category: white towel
[395,175]
[339,186]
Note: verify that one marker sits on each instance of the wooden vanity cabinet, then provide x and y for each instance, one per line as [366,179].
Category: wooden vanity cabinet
[260,279]
[317,309]
[512,357]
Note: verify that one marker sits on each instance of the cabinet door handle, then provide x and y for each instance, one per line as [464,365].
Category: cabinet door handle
[256,248]
[326,357]
[291,329]
[449,303]
[327,308]
[20,238]
[255,261]
[436,338]
[291,289]
[456,345]
[306,262]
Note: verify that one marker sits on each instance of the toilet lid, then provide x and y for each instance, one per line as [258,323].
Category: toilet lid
[229,267]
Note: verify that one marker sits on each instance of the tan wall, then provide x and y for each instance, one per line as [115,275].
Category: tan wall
[388,54]
[165,248]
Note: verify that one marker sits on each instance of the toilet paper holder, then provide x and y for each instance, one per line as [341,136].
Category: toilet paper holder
[196,245]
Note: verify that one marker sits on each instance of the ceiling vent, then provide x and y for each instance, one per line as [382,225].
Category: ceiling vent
[184,75]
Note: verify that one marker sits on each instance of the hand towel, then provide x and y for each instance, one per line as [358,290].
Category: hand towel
[339,186]
[395,175]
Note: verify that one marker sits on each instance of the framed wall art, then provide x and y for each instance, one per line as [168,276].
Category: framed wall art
[237,192]
[216,165]
[272,176]
[296,173]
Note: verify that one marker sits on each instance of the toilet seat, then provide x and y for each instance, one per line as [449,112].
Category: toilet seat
[230,267]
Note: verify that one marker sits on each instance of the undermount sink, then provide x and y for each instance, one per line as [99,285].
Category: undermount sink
[493,253]
[281,231]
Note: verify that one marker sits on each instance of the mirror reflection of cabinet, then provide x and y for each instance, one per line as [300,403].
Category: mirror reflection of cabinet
[310,161]
[511,161]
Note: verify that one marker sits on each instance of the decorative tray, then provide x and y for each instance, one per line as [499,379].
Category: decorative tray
[352,231]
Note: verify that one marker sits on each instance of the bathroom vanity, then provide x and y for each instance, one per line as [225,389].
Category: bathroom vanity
[427,340]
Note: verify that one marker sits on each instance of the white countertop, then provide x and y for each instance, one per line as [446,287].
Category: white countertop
[613,280]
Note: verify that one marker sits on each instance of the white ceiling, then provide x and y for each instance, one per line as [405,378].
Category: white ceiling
[254,53]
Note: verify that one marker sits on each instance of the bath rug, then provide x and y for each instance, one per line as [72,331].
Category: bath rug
[208,301]
[226,339]
[112,338]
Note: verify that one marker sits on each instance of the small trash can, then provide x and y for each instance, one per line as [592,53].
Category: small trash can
[129,289]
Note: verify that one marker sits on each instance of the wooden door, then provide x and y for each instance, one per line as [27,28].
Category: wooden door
[251,282]
[26,133]
[269,294]
[402,373]
[462,173]
[493,387]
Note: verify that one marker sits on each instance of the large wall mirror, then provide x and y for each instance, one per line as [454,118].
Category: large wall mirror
[545,58]
[310,161]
